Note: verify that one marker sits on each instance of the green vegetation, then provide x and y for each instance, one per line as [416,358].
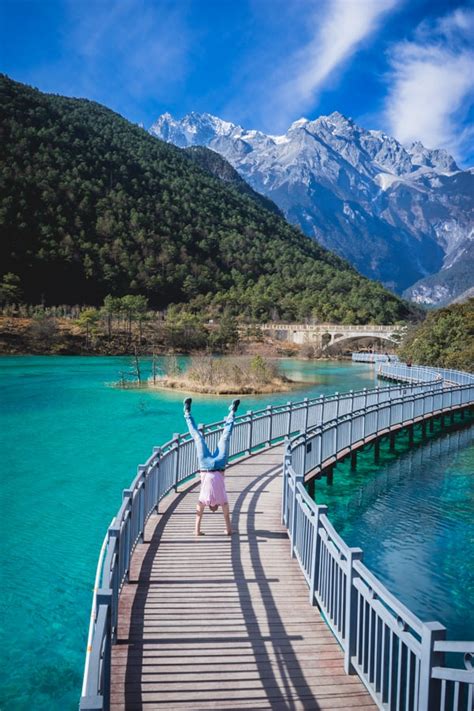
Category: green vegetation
[10,291]
[121,325]
[445,339]
[217,166]
[222,376]
[93,205]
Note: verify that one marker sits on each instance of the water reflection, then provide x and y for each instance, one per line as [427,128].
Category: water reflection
[413,517]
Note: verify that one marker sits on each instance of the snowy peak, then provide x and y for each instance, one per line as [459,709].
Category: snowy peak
[192,130]
[398,213]
[438,159]
[371,153]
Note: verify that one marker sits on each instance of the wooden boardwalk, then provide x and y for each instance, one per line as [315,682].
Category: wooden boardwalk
[225,623]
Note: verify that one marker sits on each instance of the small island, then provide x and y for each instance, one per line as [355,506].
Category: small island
[217,376]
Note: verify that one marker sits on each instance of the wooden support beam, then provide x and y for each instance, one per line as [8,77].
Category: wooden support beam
[392,441]
[312,487]
[329,476]
[377,451]
[353,461]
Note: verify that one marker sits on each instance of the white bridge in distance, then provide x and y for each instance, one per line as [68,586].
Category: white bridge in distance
[325,335]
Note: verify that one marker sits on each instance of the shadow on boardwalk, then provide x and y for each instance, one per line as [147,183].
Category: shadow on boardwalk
[276,676]
[221,623]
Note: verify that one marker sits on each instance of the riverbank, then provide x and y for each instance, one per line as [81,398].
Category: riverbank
[63,336]
[190,386]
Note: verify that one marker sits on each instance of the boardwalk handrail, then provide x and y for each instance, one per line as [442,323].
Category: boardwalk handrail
[399,658]
[407,373]
[361,357]
[176,461]
[374,328]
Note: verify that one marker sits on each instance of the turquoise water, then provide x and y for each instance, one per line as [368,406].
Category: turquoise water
[69,444]
[412,514]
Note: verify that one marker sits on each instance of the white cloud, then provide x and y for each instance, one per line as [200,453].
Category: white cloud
[432,84]
[336,36]
[132,45]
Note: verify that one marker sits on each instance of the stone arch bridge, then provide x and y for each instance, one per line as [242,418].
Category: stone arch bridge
[325,335]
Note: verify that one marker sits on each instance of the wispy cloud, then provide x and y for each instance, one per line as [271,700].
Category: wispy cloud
[335,35]
[432,84]
[146,42]
[121,53]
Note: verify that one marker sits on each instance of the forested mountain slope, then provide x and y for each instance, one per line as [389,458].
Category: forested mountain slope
[397,213]
[217,166]
[92,204]
[445,338]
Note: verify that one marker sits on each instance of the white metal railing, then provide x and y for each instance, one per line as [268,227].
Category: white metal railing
[369,328]
[399,658]
[422,373]
[176,461]
[360,357]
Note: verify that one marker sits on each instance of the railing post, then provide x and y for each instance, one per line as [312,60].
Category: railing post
[114,532]
[141,469]
[365,414]
[288,429]
[304,453]
[306,404]
[104,597]
[249,441]
[350,427]
[286,464]
[429,688]
[176,461]
[127,544]
[323,402]
[314,575]
[156,492]
[350,612]
[270,423]
[298,480]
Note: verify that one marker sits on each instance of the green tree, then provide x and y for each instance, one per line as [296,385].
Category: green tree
[10,289]
[445,338]
[110,308]
[88,321]
[134,308]
[184,331]
[226,335]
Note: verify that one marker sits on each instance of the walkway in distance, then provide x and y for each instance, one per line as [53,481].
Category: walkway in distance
[223,622]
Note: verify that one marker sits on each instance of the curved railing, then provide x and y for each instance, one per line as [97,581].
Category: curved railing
[416,373]
[374,358]
[176,461]
[399,658]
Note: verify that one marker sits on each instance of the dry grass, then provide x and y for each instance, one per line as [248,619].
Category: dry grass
[227,376]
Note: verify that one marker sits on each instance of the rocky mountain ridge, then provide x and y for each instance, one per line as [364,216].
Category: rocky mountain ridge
[399,213]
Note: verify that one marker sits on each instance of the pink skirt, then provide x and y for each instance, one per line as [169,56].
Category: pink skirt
[213,491]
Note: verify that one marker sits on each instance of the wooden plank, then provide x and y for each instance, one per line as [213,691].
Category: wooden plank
[224,622]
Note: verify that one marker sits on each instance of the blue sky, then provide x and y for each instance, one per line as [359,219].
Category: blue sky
[404,66]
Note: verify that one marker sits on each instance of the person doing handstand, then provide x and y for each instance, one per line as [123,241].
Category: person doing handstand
[211,466]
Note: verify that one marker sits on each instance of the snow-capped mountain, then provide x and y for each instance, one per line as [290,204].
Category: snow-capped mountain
[398,213]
